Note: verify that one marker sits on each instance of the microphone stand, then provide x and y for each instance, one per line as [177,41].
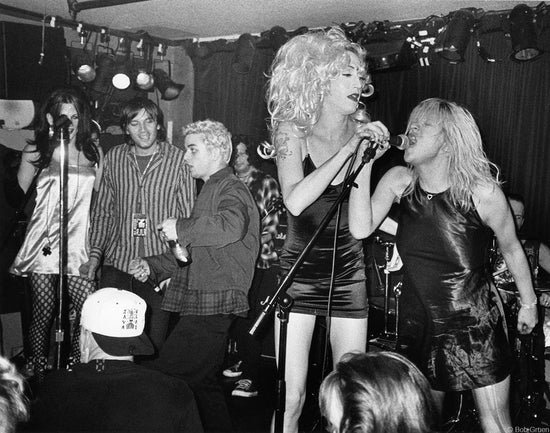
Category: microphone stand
[61,289]
[284,301]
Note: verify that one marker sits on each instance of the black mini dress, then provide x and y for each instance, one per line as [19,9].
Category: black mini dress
[310,288]
[450,317]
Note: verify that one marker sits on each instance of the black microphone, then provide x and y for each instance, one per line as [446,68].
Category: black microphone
[400,141]
[62,122]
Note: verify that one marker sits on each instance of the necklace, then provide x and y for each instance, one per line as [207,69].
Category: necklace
[47,250]
[142,175]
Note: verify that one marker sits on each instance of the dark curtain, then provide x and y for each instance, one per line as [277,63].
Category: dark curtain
[236,100]
[510,101]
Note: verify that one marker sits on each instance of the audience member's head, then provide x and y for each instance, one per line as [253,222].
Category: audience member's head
[112,326]
[517,204]
[376,392]
[208,147]
[244,157]
[13,403]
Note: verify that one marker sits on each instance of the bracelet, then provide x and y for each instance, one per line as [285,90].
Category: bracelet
[528,306]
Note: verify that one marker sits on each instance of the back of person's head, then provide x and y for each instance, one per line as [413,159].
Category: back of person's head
[215,135]
[377,392]
[13,403]
[133,107]
[116,320]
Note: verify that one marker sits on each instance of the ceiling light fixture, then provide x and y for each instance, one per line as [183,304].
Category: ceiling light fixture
[167,88]
[455,38]
[523,34]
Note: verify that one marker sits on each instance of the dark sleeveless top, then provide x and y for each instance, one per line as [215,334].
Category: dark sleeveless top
[451,321]
[311,285]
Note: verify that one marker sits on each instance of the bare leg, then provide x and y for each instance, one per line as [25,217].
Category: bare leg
[299,334]
[493,405]
[347,335]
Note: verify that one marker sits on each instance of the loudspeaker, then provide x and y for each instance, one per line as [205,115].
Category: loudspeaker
[21,74]
[11,335]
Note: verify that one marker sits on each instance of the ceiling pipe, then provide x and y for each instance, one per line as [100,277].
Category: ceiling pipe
[71,24]
[75,7]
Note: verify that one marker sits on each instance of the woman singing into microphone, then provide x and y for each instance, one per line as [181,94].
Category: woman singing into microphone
[450,205]
[38,257]
[315,85]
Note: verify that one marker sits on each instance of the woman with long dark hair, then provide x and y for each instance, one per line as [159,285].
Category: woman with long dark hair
[38,258]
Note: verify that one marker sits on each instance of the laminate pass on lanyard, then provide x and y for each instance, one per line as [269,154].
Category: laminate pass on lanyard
[140,225]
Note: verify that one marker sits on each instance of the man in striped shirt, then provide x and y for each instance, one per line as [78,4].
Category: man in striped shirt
[145,181]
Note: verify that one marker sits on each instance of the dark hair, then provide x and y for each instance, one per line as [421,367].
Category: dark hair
[45,145]
[516,197]
[379,392]
[253,157]
[132,109]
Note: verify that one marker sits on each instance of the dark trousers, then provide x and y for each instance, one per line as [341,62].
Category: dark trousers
[249,348]
[156,320]
[194,352]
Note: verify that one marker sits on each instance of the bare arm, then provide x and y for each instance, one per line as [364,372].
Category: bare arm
[366,213]
[27,170]
[300,191]
[495,212]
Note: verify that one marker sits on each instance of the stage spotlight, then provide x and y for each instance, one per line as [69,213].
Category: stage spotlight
[454,40]
[523,34]
[121,78]
[144,80]
[167,88]
[244,54]
[278,37]
[83,66]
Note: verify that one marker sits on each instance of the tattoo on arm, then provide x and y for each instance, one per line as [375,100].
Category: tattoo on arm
[282,147]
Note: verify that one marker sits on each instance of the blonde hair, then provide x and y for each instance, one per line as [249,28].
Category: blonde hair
[468,164]
[379,392]
[215,135]
[301,73]
[13,403]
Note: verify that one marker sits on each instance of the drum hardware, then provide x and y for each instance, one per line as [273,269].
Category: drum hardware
[527,384]
[388,339]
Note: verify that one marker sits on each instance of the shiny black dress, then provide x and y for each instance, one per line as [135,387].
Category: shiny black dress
[311,286]
[450,320]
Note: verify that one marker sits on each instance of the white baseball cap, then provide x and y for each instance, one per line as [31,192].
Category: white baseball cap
[116,319]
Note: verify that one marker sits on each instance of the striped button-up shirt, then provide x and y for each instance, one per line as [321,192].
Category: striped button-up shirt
[166,189]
